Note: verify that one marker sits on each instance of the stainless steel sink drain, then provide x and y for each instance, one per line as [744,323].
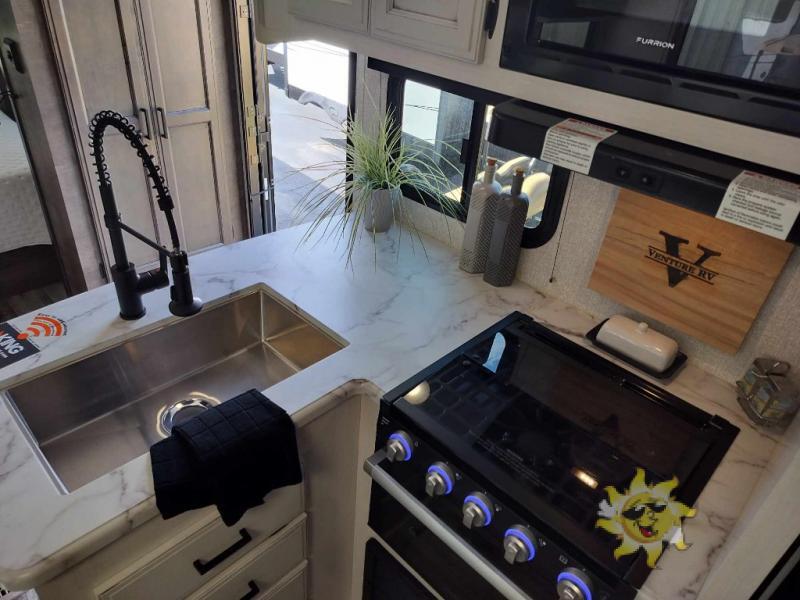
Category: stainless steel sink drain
[183,410]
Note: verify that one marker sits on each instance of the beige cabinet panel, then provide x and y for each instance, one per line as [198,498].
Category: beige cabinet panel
[178,37]
[106,62]
[132,193]
[446,10]
[291,587]
[102,55]
[263,568]
[154,62]
[169,571]
[347,14]
[179,45]
[449,27]
[195,184]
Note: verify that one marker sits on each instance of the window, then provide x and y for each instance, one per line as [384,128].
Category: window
[438,122]
[537,172]
[453,119]
[309,92]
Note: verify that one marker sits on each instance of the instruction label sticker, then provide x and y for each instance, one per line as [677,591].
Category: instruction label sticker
[571,144]
[12,348]
[761,203]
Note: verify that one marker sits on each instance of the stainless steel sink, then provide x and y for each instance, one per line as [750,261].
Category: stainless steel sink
[96,414]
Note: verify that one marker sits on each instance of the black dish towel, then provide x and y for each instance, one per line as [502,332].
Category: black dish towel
[231,455]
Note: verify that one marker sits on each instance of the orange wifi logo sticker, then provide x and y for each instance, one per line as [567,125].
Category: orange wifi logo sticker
[44,325]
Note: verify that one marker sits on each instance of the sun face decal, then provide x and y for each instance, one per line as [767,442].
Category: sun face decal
[644,517]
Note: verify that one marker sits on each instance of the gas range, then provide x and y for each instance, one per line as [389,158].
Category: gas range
[492,466]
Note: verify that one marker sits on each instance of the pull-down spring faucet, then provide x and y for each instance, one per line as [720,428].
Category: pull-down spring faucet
[129,284]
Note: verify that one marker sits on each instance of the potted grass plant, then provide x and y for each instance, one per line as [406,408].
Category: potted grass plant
[363,191]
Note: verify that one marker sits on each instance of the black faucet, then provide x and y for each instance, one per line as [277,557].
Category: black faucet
[129,284]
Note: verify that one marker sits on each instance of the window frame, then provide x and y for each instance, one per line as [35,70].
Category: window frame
[559,178]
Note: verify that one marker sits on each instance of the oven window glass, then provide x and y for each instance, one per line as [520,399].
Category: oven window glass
[386,579]
[753,40]
[537,173]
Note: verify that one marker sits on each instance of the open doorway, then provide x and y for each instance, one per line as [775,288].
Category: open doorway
[309,89]
[30,270]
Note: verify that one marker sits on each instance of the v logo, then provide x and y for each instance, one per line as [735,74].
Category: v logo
[679,268]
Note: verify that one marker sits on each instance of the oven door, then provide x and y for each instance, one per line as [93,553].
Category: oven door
[386,579]
[440,556]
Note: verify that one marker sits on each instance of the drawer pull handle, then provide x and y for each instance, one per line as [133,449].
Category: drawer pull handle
[204,567]
[253,590]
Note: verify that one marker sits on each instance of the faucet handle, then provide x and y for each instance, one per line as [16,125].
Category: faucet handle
[154,278]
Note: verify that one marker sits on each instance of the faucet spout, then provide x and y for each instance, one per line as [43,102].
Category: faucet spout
[129,284]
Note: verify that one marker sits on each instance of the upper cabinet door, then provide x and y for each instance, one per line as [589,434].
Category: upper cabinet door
[347,14]
[449,27]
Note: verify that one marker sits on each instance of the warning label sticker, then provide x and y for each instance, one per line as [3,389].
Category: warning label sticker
[572,143]
[761,203]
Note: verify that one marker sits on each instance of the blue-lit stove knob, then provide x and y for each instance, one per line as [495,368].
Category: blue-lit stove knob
[519,544]
[477,510]
[574,584]
[439,480]
[399,447]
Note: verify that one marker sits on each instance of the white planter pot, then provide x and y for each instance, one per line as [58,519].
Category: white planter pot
[379,211]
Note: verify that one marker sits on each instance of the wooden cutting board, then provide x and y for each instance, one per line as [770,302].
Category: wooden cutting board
[693,272]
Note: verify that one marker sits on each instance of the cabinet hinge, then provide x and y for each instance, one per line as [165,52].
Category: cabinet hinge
[244,11]
[262,143]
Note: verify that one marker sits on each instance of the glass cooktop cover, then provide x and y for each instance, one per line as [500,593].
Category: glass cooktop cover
[530,414]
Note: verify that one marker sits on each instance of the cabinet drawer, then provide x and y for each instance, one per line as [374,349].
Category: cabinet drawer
[262,568]
[176,569]
[291,587]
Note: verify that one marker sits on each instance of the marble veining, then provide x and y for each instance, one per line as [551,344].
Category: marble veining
[400,308]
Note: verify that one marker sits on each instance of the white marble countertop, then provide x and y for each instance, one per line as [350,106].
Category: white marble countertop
[398,314]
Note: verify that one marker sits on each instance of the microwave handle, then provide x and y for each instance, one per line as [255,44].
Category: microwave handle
[438,528]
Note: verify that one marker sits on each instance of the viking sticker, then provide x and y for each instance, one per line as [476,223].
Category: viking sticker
[644,517]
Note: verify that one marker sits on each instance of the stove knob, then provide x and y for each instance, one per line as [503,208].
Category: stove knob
[477,510]
[399,447]
[439,480]
[519,544]
[574,584]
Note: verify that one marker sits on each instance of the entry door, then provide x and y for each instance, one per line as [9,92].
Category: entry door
[264,135]
[254,99]
[186,115]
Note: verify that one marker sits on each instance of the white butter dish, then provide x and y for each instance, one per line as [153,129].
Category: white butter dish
[637,343]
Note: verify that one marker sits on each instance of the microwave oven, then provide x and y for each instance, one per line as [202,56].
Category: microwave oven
[737,60]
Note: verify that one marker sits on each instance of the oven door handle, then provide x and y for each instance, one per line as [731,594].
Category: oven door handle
[449,537]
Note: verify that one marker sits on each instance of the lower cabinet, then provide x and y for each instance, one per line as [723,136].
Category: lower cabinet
[196,556]
[258,572]
[291,587]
